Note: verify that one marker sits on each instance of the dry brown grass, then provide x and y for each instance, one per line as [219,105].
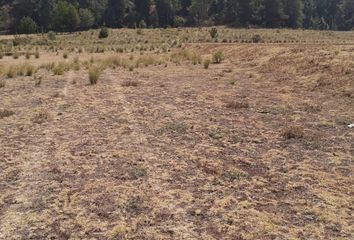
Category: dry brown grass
[177,152]
[290,132]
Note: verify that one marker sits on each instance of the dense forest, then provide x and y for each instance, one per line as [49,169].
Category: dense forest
[28,16]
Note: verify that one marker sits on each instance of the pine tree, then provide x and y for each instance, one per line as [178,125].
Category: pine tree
[273,13]
[166,12]
[293,10]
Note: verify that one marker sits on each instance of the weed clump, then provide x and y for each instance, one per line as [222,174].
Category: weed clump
[256,38]
[103,33]
[30,70]
[51,35]
[94,74]
[206,63]
[213,32]
[218,57]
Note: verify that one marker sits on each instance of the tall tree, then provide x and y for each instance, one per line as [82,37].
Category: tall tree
[293,10]
[347,9]
[66,17]
[273,13]
[115,13]
[142,8]
[199,11]
[165,12]
[245,11]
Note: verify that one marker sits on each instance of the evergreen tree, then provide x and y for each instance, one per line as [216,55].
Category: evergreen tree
[199,11]
[27,26]
[66,17]
[347,9]
[86,18]
[293,10]
[165,12]
[273,13]
[115,13]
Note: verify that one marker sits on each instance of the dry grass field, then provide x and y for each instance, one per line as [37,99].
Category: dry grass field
[171,134]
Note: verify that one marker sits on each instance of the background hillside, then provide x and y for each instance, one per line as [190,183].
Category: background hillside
[29,16]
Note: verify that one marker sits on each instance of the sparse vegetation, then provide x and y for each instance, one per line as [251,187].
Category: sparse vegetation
[94,74]
[41,116]
[206,63]
[218,57]
[213,32]
[103,33]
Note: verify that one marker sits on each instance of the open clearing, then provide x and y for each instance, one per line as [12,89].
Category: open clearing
[256,147]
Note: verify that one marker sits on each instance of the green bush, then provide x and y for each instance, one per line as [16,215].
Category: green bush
[51,35]
[213,32]
[27,26]
[103,33]
[218,57]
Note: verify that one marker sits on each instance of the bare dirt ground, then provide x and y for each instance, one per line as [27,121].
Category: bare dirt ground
[188,153]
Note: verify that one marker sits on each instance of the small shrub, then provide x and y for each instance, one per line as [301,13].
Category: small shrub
[11,72]
[103,33]
[293,132]
[213,32]
[218,57]
[256,38]
[196,59]
[51,35]
[30,70]
[206,63]
[65,55]
[60,69]
[94,74]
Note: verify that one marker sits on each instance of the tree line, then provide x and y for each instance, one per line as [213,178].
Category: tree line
[29,16]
